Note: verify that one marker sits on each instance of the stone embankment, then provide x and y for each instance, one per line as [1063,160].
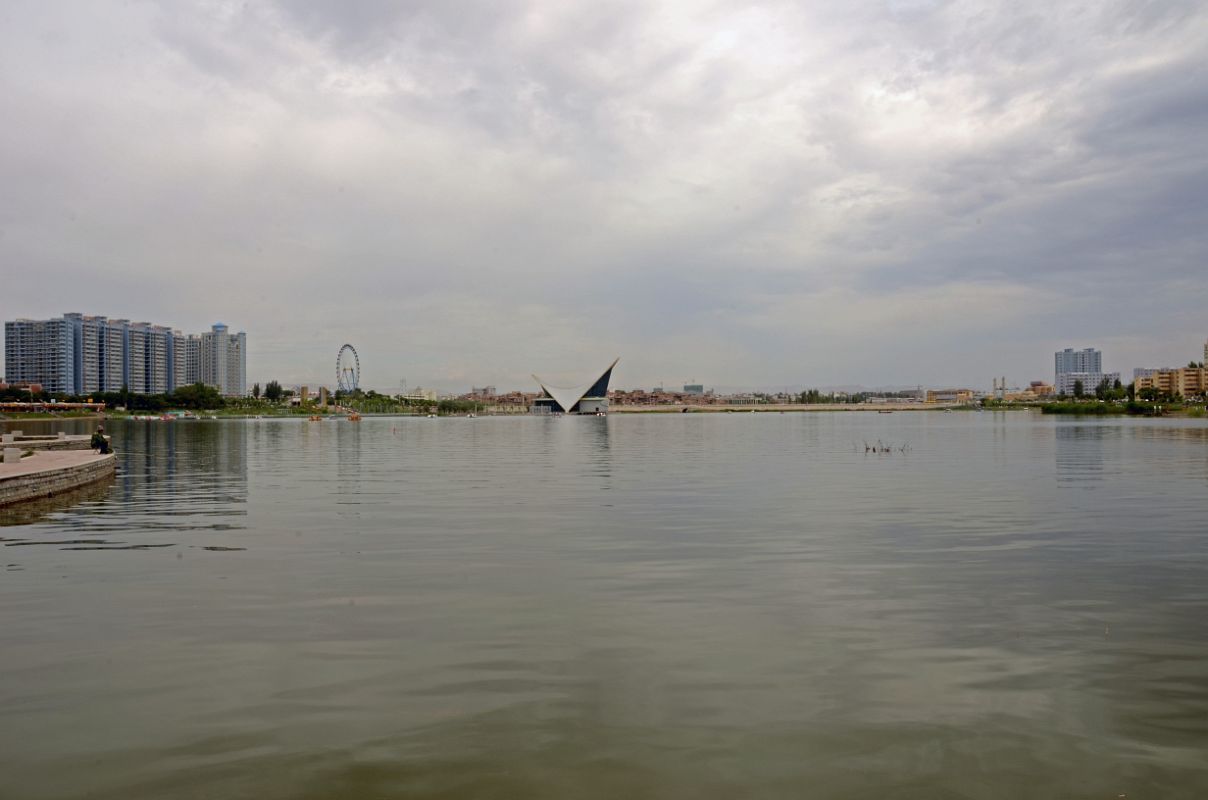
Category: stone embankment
[50,472]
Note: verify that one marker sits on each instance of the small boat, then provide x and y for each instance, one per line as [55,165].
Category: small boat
[315,418]
[354,417]
[884,411]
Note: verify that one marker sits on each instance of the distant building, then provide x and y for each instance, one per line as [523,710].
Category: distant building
[1070,360]
[1067,382]
[40,351]
[1186,382]
[589,398]
[421,394]
[186,352]
[1034,391]
[224,360]
[694,388]
[79,354]
[1080,366]
[950,395]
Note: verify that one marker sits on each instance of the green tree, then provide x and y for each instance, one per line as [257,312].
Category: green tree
[273,392]
[198,396]
[1078,389]
[256,391]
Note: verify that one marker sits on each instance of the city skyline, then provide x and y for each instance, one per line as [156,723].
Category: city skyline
[182,359]
[881,195]
[83,354]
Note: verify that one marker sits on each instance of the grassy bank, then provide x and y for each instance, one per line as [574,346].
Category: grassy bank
[1131,408]
[1084,409]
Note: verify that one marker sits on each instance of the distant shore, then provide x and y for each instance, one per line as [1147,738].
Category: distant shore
[777,407]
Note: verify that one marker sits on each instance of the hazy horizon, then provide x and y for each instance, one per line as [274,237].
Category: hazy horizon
[882,194]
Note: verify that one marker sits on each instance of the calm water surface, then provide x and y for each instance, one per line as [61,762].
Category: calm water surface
[680,606]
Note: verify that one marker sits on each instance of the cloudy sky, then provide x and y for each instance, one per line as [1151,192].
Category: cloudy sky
[742,194]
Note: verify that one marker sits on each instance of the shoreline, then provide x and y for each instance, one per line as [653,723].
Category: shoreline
[764,408]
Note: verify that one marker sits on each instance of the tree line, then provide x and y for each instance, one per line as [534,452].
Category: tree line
[198,396]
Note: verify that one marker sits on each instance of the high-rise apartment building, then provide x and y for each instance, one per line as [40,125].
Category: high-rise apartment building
[186,358]
[88,344]
[224,360]
[112,355]
[78,354]
[1070,360]
[1085,367]
[136,358]
[40,351]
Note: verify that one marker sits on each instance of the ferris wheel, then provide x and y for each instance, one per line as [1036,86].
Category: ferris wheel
[348,369]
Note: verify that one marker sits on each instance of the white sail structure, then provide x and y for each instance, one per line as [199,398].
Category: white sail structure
[589,397]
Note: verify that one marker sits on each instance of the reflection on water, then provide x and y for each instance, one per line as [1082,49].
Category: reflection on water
[1080,452]
[687,606]
[42,508]
[182,477]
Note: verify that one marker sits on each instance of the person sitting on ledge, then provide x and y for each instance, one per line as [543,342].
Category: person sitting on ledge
[99,442]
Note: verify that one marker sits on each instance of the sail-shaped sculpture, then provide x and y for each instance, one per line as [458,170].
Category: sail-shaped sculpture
[587,398]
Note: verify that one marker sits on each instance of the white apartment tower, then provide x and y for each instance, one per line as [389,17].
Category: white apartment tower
[1073,367]
[112,355]
[186,358]
[1070,360]
[224,360]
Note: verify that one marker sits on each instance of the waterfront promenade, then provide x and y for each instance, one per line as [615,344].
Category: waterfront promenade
[59,441]
[51,472]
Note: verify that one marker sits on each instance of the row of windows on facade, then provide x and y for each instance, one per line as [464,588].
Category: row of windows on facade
[1070,360]
[1083,367]
[78,354]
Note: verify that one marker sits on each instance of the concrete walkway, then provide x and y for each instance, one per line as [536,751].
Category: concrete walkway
[50,472]
[51,459]
[66,442]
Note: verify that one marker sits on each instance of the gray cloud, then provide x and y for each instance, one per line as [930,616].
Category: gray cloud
[899,192]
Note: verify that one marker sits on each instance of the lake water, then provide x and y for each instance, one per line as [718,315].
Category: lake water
[683,606]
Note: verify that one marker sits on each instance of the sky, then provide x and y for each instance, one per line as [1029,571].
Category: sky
[742,195]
